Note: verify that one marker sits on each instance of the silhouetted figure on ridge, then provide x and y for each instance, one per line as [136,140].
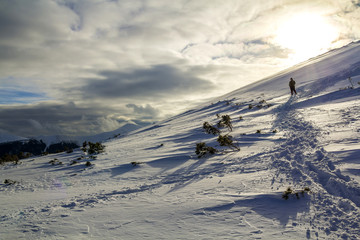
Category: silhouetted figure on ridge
[292,86]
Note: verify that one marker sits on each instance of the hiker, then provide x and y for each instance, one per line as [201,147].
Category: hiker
[292,86]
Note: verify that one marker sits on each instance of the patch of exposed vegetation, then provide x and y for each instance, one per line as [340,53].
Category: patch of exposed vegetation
[227,141]
[203,150]
[93,148]
[300,193]
[225,122]
[210,129]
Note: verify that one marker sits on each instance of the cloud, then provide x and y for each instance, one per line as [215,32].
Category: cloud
[57,118]
[148,110]
[138,60]
[157,81]
[35,124]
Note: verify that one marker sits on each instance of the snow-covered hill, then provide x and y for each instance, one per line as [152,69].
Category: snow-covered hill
[310,141]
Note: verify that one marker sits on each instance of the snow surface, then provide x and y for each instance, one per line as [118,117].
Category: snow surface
[171,194]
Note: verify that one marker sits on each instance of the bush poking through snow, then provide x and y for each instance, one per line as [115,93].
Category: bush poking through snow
[93,148]
[202,150]
[73,162]
[227,142]
[9,181]
[9,158]
[55,161]
[286,194]
[258,131]
[210,129]
[134,164]
[263,103]
[289,192]
[88,164]
[225,122]
[260,105]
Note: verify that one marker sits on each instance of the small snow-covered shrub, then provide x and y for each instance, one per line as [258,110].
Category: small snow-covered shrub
[251,106]
[258,131]
[88,164]
[210,129]
[9,181]
[116,135]
[225,122]
[55,161]
[227,141]
[73,162]
[263,103]
[93,148]
[289,192]
[275,131]
[134,164]
[286,193]
[202,150]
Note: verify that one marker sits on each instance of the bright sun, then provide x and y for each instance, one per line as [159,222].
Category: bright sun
[306,35]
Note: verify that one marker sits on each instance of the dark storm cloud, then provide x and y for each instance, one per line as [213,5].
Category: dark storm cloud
[160,80]
[44,119]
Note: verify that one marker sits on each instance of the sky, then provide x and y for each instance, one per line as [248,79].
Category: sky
[82,67]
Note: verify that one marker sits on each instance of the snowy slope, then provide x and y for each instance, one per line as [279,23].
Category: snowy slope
[311,140]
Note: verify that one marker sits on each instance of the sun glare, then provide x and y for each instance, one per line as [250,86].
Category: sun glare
[306,36]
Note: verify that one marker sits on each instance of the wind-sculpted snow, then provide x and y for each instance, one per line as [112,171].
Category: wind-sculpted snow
[150,184]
